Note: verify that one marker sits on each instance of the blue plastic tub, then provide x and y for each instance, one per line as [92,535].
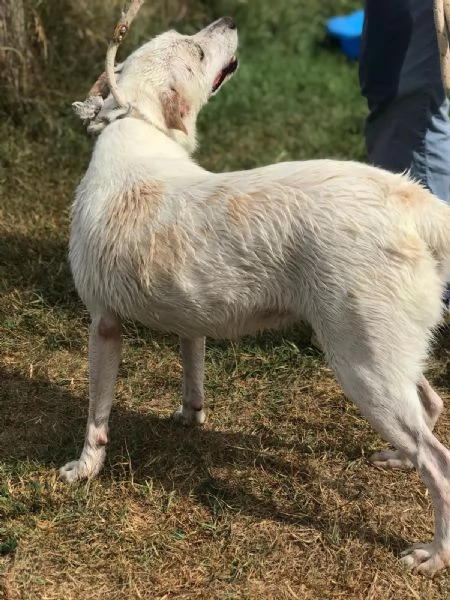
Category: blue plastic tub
[348,30]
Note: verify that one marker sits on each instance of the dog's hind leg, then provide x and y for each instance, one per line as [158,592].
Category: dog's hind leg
[432,461]
[105,340]
[431,402]
[432,406]
[390,401]
[193,356]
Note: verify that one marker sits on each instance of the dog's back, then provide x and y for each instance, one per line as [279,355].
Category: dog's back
[224,255]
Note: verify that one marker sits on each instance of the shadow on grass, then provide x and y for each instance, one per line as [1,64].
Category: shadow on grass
[38,266]
[44,423]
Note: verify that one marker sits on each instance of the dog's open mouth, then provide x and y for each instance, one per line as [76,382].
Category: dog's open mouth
[225,74]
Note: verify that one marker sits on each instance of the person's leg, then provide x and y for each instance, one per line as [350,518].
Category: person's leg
[437,151]
[408,127]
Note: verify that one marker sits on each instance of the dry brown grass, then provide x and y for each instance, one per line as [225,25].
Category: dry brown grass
[273,498]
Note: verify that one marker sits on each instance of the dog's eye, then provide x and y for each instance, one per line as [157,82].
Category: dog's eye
[201,53]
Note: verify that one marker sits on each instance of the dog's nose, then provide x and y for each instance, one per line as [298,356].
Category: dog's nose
[228,22]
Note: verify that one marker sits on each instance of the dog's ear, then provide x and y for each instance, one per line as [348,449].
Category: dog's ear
[174,109]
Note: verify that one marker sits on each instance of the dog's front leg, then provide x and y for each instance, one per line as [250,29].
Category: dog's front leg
[105,341]
[193,356]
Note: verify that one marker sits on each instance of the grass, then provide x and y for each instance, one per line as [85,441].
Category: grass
[273,498]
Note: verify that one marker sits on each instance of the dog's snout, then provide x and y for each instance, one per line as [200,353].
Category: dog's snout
[229,22]
[224,22]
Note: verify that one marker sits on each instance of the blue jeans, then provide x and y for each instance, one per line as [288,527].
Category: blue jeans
[408,126]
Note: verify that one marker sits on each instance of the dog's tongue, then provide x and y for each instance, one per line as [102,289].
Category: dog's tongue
[217,80]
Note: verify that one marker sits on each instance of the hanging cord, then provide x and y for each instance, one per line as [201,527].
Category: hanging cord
[442,21]
[107,82]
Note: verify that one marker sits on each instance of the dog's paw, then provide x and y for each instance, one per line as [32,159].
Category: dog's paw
[189,417]
[73,471]
[424,558]
[391,459]
[87,466]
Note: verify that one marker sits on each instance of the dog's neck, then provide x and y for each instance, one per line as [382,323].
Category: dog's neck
[133,149]
[148,109]
[150,113]
[135,144]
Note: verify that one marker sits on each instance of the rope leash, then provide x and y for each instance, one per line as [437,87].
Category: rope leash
[90,109]
[441,11]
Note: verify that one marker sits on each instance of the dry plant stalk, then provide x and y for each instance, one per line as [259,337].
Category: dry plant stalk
[14,52]
[107,82]
[442,22]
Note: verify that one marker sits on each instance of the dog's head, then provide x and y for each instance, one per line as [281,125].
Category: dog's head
[169,79]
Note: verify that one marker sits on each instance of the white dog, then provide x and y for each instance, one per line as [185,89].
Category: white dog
[361,254]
